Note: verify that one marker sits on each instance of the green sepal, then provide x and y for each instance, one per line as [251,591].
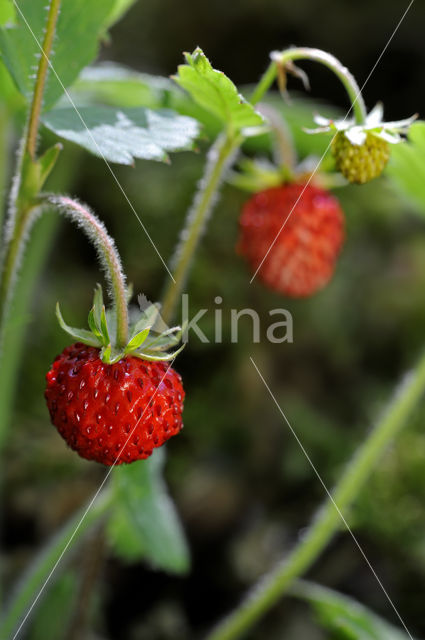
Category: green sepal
[81,335]
[104,326]
[165,340]
[93,325]
[137,340]
[97,307]
[110,355]
[148,318]
[158,357]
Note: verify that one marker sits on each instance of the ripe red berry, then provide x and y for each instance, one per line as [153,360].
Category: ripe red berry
[96,406]
[302,258]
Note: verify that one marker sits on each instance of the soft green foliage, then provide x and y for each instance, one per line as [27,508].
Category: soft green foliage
[79,22]
[145,510]
[7,12]
[118,10]
[121,135]
[216,93]
[407,167]
[111,83]
[344,616]
[124,537]
[55,611]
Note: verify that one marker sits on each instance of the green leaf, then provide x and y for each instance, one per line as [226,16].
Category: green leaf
[149,510]
[81,335]
[113,84]
[119,9]
[124,537]
[7,12]
[55,611]
[344,616]
[80,25]
[120,135]
[216,93]
[407,167]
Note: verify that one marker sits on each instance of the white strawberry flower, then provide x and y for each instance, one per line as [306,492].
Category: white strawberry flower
[391,132]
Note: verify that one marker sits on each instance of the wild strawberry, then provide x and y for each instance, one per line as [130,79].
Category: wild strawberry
[115,405]
[292,234]
[113,413]
[362,150]
[362,162]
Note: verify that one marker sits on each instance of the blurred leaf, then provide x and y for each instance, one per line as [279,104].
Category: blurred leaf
[407,166]
[7,12]
[116,85]
[53,614]
[119,9]
[344,616]
[149,511]
[124,134]
[124,537]
[216,93]
[80,25]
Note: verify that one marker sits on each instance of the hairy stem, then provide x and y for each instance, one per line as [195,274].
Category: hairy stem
[107,252]
[22,210]
[328,520]
[282,58]
[46,566]
[219,159]
[43,66]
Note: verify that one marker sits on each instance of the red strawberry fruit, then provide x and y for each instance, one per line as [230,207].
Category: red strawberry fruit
[292,235]
[113,413]
[112,405]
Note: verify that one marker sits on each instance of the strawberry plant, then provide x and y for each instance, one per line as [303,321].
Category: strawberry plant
[114,393]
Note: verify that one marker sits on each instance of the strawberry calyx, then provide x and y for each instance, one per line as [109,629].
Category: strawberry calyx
[374,124]
[144,341]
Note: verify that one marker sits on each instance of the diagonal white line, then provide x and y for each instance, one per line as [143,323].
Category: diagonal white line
[331,498]
[332,139]
[91,503]
[99,150]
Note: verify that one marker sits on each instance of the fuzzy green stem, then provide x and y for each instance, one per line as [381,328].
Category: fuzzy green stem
[282,58]
[21,209]
[43,66]
[328,521]
[35,580]
[219,159]
[108,255]
[15,249]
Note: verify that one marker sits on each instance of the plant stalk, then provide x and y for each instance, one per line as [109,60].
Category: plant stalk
[219,159]
[43,66]
[20,217]
[328,520]
[282,58]
[108,255]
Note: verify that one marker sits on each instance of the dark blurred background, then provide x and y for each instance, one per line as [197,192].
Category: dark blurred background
[243,488]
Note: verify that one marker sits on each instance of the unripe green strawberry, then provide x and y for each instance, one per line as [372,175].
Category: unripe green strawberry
[363,162]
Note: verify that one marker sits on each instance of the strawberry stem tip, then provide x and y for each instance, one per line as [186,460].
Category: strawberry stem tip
[143,342]
[107,253]
[281,64]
